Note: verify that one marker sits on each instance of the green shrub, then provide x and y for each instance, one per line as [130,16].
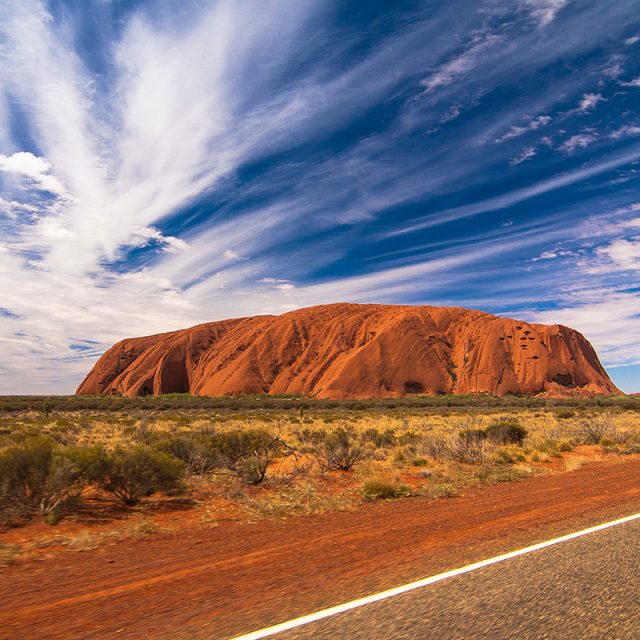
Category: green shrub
[40,475]
[340,450]
[384,488]
[245,452]
[232,446]
[193,451]
[253,469]
[133,474]
[380,439]
[248,453]
[506,431]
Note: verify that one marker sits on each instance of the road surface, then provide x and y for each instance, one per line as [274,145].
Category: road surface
[585,588]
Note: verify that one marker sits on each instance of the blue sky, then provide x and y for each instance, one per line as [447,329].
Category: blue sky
[164,163]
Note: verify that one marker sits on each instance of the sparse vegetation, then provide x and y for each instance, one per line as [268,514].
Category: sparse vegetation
[594,428]
[506,431]
[133,474]
[384,488]
[340,449]
[273,457]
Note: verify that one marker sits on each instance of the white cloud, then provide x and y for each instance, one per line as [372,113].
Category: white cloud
[11,208]
[632,83]
[614,69]
[526,154]
[632,40]
[272,280]
[451,114]
[551,255]
[623,253]
[183,105]
[519,195]
[36,169]
[546,255]
[461,64]
[544,11]
[625,131]
[278,283]
[607,317]
[230,254]
[143,236]
[589,101]
[578,141]
[532,125]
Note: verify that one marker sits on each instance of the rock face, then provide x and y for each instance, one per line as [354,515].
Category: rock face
[355,351]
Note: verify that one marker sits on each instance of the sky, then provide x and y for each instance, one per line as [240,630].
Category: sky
[170,162]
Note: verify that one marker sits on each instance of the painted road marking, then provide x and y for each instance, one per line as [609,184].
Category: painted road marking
[424,582]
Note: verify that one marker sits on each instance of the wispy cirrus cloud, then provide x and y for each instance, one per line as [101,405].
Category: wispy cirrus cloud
[461,63]
[532,125]
[526,154]
[590,101]
[544,11]
[227,157]
[578,141]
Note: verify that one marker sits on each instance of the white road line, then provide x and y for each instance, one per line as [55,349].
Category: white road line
[418,584]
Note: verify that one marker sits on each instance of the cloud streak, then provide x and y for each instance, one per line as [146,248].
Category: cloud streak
[237,157]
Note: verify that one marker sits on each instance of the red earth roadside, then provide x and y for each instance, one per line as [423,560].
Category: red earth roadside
[218,582]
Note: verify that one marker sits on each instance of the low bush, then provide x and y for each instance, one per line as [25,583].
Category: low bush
[442,490]
[339,450]
[466,447]
[243,452]
[380,439]
[594,428]
[384,488]
[506,431]
[39,475]
[247,453]
[508,454]
[193,451]
[133,474]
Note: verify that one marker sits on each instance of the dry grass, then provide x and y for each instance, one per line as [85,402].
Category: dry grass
[303,498]
[9,553]
[424,456]
[573,463]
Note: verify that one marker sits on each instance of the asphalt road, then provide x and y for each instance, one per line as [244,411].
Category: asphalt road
[584,588]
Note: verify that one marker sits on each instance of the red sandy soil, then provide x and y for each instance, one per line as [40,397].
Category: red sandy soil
[355,351]
[216,582]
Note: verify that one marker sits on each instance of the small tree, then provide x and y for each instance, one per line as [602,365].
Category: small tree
[136,473]
[595,428]
[466,446]
[247,453]
[340,450]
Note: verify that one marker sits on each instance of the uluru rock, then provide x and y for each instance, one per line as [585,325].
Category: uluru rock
[355,351]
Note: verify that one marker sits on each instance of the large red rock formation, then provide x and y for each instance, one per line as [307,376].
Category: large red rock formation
[355,351]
